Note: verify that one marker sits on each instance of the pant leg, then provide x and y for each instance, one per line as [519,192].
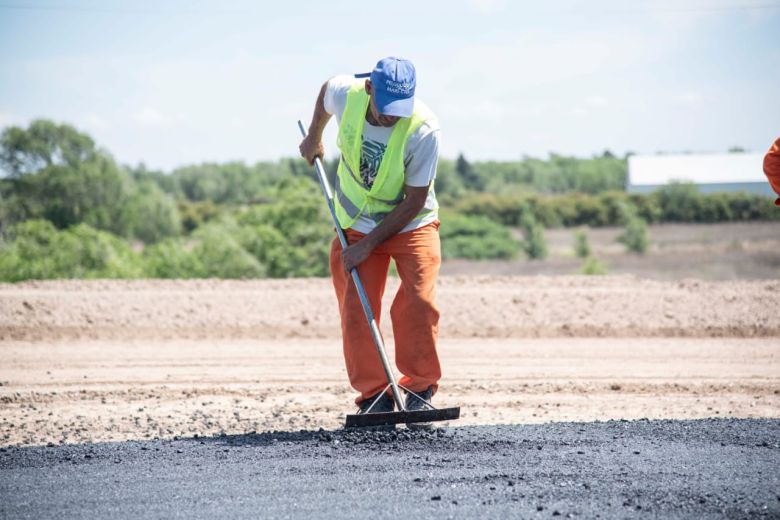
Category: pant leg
[364,366]
[414,312]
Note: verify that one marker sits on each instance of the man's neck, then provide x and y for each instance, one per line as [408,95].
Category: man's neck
[370,118]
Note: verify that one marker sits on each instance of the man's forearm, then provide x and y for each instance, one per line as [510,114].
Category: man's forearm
[320,118]
[394,222]
[311,147]
[391,225]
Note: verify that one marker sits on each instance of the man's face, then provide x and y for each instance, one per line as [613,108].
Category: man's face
[383,120]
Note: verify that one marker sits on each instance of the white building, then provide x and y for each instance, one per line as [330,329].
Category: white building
[711,173]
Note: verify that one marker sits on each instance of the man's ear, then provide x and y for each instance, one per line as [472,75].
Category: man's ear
[369,87]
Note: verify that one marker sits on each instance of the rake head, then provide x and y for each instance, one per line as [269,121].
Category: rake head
[388,418]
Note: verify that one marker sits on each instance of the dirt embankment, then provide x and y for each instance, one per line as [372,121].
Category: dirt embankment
[472,306]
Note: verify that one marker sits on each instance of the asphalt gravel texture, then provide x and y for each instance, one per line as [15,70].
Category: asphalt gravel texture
[718,468]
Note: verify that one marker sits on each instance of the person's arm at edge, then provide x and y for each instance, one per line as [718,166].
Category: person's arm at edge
[772,168]
[312,146]
[391,225]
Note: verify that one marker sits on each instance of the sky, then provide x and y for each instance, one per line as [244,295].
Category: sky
[168,83]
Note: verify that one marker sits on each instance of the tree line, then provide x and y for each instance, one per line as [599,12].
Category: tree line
[69,210]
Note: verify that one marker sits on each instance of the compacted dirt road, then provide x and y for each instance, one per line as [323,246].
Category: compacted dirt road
[111,390]
[117,360]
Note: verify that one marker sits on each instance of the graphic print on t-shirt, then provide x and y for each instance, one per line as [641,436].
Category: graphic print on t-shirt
[371,153]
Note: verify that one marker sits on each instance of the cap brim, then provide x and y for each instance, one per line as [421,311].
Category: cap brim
[389,106]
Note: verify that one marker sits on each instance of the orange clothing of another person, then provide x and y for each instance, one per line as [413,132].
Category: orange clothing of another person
[414,314]
[772,168]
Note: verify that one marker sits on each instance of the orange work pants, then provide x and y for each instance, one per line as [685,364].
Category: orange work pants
[414,314]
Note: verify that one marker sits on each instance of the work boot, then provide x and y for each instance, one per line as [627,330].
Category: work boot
[414,403]
[384,404]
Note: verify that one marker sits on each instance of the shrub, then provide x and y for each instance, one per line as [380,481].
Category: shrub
[171,258]
[194,214]
[476,238]
[592,266]
[581,246]
[500,209]
[35,249]
[220,255]
[679,202]
[534,244]
[150,214]
[634,237]
[292,236]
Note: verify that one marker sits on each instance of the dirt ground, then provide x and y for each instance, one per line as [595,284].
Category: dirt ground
[114,360]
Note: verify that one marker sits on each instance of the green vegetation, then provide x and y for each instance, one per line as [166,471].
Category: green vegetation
[634,237]
[68,210]
[35,249]
[581,246]
[606,209]
[592,266]
[534,244]
[476,238]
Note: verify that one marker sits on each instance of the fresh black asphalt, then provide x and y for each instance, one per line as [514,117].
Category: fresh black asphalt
[716,468]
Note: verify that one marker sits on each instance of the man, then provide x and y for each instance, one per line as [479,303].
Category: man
[772,168]
[385,202]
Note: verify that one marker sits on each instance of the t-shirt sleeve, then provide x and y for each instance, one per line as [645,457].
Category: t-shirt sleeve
[422,160]
[336,94]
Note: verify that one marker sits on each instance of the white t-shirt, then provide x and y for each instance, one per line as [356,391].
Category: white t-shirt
[421,154]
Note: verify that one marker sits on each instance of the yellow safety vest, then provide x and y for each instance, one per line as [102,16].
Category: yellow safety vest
[352,197]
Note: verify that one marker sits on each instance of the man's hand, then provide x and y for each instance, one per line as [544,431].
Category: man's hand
[311,147]
[355,254]
[414,200]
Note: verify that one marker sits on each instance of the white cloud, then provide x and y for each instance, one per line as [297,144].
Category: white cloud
[149,116]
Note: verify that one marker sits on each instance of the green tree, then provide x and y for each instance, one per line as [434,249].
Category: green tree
[448,184]
[195,214]
[43,144]
[470,179]
[149,214]
[56,173]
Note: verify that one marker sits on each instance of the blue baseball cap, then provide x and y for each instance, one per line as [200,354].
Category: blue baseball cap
[394,80]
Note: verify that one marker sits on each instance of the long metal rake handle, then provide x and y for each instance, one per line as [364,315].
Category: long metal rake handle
[375,334]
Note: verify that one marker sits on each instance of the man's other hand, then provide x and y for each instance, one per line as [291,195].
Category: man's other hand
[310,148]
[355,254]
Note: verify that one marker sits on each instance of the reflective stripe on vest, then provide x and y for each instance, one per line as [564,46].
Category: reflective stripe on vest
[352,197]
